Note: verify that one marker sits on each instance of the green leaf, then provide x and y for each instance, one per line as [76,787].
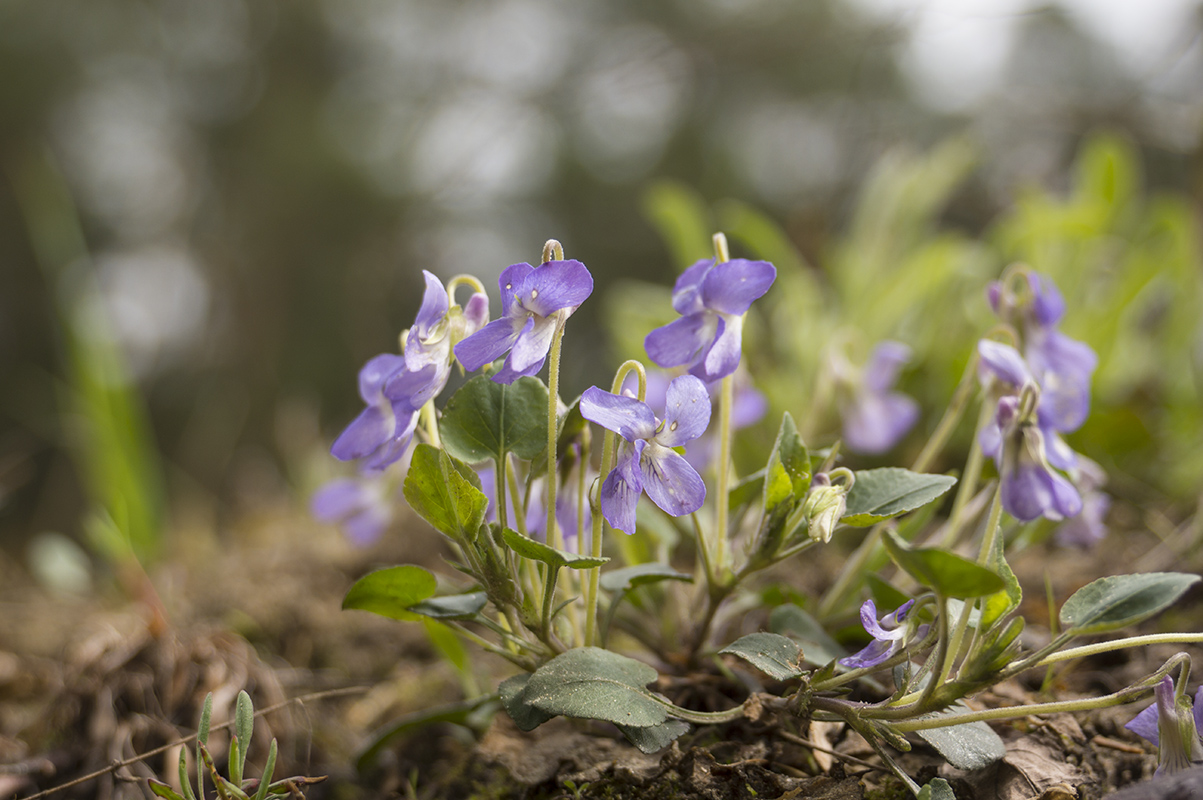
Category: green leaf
[592,683]
[969,746]
[788,471]
[947,573]
[446,493]
[265,780]
[454,606]
[202,730]
[777,656]
[160,789]
[486,419]
[184,782]
[244,726]
[627,578]
[1122,600]
[513,698]
[655,737]
[936,789]
[391,591]
[447,643]
[883,493]
[537,551]
[884,593]
[791,620]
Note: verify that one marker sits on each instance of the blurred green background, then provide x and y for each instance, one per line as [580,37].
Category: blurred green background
[235,198]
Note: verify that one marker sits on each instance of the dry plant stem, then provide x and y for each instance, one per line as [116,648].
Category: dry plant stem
[305,698]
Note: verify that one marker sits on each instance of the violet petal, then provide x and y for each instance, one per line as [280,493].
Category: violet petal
[687,291]
[555,285]
[366,432]
[489,343]
[621,489]
[626,416]
[670,481]
[682,341]
[732,287]
[686,411]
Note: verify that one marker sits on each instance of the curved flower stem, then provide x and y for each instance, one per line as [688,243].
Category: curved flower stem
[464,280]
[1125,695]
[607,464]
[430,421]
[1119,644]
[706,717]
[722,545]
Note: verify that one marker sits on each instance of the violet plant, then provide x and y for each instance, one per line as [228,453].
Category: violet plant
[552,580]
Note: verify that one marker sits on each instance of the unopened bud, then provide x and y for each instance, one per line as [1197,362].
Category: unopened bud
[825,505]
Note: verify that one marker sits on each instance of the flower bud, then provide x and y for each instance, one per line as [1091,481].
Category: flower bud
[825,505]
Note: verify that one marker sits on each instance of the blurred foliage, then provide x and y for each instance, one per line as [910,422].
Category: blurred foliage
[1127,261]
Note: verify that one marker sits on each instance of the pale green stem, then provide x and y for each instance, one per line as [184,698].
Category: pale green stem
[512,481]
[503,518]
[952,416]
[722,546]
[703,717]
[464,280]
[1120,644]
[430,422]
[969,479]
[958,634]
[555,536]
[607,464]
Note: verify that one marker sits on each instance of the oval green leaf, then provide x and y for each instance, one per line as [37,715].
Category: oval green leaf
[655,737]
[946,573]
[537,551]
[486,419]
[591,683]
[777,656]
[525,716]
[969,746]
[446,493]
[1122,600]
[879,494]
[391,591]
[454,606]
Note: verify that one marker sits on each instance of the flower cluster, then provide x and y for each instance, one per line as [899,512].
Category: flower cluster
[1041,395]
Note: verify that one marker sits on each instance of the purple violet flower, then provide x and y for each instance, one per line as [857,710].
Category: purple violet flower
[877,418]
[1063,366]
[1172,725]
[711,299]
[646,460]
[396,387]
[530,298]
[889,635]
[1023,451]
[360,507]
[383,430]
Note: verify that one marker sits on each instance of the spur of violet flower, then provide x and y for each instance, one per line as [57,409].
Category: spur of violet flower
[360,507]
[646,460]
[711,299]
[877,418]
[530,300]
[889,635]
[1173,725]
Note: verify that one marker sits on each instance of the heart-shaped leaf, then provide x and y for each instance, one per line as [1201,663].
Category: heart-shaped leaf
[454,606]
[529,548]
[946,573]
[879,494]
[592,683]
[777,656]
[486,419]
[391,591]
[446,493]
[655,737]
[525,715]
[1122,600]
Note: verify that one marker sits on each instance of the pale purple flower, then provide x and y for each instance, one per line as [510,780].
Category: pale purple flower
[748,407]
[396,387]
[382,431]
[530,298]
[1172,728]
[1024,451]
[646,460]
[711,299]
[1062,366]
[890,635]
[362,508]
[876,418]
